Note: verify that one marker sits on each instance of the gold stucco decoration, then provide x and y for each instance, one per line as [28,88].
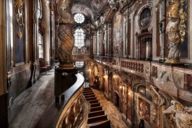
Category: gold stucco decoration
[19,6]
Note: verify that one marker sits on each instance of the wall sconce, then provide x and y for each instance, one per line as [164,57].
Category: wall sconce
[105,76]
[89,70]
[115,76]
[130,93]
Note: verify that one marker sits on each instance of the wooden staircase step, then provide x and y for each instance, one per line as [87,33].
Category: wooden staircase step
[99,108]
[96,113]
[103,124]
[97,119]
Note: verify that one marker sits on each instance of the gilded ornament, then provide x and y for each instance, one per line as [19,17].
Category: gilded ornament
[19,5]
[173,9]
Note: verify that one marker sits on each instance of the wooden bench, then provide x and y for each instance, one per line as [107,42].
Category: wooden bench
[97,119]
[96,113]
[103,124]
[93,109]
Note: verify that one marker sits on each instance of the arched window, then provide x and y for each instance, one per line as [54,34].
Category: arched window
[79,38]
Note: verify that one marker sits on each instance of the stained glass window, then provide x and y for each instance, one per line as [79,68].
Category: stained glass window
[79,18]
[79,38]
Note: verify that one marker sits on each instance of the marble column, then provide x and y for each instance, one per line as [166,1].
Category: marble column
[98,42]
[65,34]
[110,40]
[162,16]
[101,41]
[94,43]
[105,39]
[45,23]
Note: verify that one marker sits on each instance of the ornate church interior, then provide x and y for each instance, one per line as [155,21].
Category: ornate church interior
[95,64]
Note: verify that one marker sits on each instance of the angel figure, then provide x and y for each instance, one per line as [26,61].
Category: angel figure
[182,115]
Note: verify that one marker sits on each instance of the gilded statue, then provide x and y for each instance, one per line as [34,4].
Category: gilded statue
[173,10]
[19,5]
[175,30]
[182,114]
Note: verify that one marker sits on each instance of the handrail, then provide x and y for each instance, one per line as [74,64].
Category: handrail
[72,99]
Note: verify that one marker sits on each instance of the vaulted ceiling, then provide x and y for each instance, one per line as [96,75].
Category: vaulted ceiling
[92,9]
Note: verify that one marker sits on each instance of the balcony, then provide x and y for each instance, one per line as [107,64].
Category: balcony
[174,80]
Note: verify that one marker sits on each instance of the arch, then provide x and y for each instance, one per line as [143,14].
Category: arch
[116,99]
[84,9]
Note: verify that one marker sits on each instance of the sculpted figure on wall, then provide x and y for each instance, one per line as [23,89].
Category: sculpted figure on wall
[19,6]
[113,4]
[175,36]
[63,9]
[182,115]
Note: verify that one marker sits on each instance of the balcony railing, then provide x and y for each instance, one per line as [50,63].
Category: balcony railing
[175,80]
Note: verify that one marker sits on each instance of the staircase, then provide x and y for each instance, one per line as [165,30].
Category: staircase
[96,117]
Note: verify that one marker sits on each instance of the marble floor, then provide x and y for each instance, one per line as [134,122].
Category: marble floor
[111,111]
[29,106]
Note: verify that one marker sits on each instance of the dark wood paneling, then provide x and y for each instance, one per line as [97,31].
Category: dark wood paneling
[3,111]
[19,80]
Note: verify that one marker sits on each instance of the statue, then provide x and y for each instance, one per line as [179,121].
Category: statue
[175,30]
[19,5]
[63,9]
[182,115]
[113,4]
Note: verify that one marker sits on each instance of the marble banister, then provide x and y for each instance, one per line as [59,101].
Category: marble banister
[72,109]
